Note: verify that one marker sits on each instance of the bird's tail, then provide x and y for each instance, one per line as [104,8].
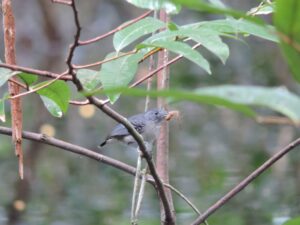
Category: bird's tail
[103,143]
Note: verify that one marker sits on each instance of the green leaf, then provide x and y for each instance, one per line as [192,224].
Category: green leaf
[90,79]
[133,32]
[168,6]
[182,49]
[287,22]
[118,73]
[238,98]
[209,38]
[2,110]
[52,106]
[278,99]
[5,74]
[28,78]
[294,221]
[55,97]
[172,26]
[233,26]
[176,95]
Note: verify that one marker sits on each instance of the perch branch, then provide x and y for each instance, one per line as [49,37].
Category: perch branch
[116,116]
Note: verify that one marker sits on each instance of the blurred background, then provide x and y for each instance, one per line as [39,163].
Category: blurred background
[211,149]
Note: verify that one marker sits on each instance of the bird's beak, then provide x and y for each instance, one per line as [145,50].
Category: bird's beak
[172,114]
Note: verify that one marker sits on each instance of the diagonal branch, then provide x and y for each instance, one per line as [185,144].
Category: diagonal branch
[116,116]
[244,183]
[90,41]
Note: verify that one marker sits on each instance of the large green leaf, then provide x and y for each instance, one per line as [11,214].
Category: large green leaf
[278,99]
[55,97]
[28,78]
[5,74]
[118,73]
[209,38]
[182,49]
[167,5]
[294,221]
[90,79]
[133,32]
[287,22]
[179,95]
[241,26]
[238,98]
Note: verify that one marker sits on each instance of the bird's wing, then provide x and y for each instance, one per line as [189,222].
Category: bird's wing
[120,130]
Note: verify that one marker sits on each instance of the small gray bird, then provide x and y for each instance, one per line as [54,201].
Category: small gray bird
[146,124]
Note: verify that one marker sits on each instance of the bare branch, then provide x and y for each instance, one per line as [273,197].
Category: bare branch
[115,30]
[244,183]
[13,88]
[41,138]
[43,73]
[64,2]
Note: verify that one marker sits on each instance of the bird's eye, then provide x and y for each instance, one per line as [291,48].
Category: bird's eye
[156,113]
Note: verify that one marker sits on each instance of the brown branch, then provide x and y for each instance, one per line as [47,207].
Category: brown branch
[162,145]
[244,183]
[115,30]
[278,120]
[64,2]
[85,102]
[43,73]
[13,88]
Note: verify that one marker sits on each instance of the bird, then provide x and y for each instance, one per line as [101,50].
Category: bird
[146,124]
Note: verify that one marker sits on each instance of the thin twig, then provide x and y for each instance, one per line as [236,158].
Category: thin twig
[136,184]
[84,102]
[64,2]
[181,195]
[278,120]
[35,71]
[105,60]
[18,83]
[115,30]
[244,183]
[36,89]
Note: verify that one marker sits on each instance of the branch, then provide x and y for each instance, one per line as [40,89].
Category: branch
[13,88]
[41,138]
[115,30]
[35,71]
[64,2]
[116,116]
[244,183]
[162,143]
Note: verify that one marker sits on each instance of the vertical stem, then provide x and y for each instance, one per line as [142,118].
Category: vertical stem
[162,156]
[14,89]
